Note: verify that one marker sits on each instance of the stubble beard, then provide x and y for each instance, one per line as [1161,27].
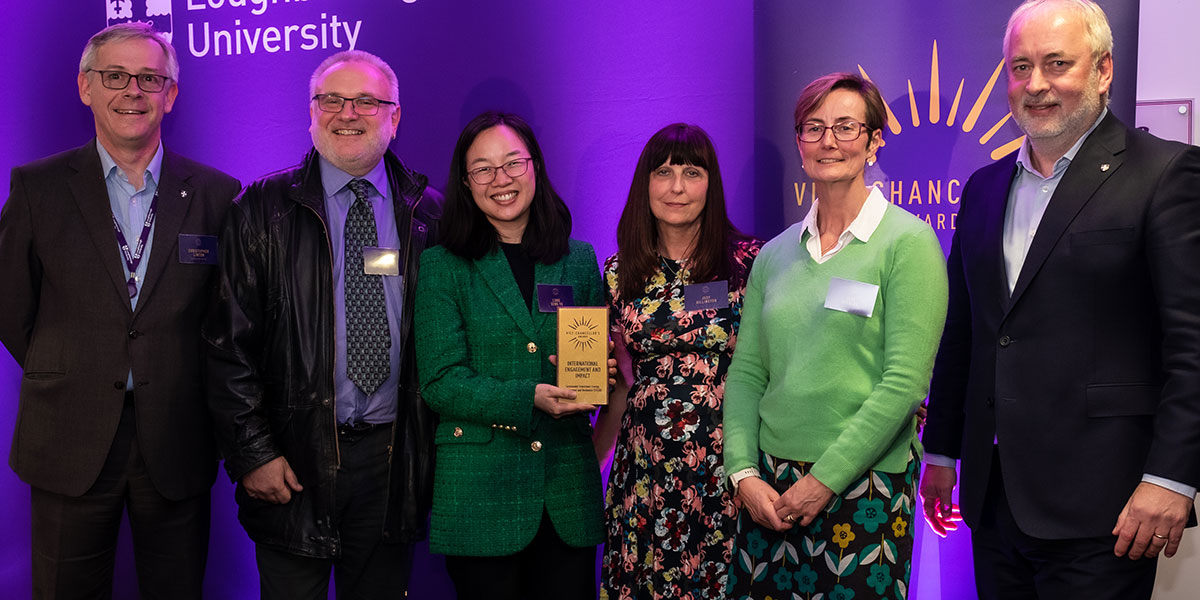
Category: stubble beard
[1074,124]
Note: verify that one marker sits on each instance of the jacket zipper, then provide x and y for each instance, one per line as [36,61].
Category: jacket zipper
[337,449]
[404,295]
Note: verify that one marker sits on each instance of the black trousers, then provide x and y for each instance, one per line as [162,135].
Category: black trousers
[546,569]
[1011,565]
[367,567]
[75,538]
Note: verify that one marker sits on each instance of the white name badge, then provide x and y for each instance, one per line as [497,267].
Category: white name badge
[854,297]
[381,261]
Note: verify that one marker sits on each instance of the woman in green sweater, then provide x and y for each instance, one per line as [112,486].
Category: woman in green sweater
[841,321]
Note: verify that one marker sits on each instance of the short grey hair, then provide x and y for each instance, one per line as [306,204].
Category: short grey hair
[347,56]
[1095,23]
[132,30]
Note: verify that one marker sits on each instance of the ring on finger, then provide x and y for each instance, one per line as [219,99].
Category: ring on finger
[1161,537]
[790,518]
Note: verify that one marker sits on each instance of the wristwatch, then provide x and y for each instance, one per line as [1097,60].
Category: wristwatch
[737,478]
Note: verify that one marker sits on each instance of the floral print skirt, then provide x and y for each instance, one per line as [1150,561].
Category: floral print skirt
[669,517]
[858,549]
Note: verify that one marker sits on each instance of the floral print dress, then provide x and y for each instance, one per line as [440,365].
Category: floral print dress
[669,517]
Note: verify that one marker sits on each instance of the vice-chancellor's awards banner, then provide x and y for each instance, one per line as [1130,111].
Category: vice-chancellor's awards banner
[939,65]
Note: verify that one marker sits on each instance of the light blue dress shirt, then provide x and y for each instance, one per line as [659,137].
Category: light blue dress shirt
[129,206]
[1027,201]
[353,406]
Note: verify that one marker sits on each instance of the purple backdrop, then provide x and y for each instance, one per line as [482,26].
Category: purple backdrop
[594,79]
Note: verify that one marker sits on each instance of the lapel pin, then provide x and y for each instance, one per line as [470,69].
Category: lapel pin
[183,193]
[1103,167]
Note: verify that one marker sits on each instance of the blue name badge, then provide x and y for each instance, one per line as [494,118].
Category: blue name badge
[551,297]
[197,249]
[706,296]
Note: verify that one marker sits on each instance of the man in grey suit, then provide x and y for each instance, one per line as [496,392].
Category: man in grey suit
[1068,379]
[106,252]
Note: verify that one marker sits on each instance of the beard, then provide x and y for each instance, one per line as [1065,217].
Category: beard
[1074,123]
[354,156]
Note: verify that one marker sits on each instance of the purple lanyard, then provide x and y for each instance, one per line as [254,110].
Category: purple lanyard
[134,257]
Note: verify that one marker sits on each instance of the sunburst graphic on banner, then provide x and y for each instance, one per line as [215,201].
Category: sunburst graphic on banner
[932,166]
[934,108]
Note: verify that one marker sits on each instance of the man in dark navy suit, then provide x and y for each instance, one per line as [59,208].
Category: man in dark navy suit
[1068,380]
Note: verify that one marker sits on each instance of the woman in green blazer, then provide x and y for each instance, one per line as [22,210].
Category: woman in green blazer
[517,504]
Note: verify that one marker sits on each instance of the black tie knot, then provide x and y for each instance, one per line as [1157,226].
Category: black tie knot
[360,188]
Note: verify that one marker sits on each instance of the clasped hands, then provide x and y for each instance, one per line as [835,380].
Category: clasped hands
[800,504]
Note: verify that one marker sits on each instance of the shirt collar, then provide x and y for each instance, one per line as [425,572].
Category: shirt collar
[863,225]
[1025,159]
[333,179]
[153,170]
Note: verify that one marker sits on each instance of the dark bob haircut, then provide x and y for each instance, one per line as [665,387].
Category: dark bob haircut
[637,231]
[466,231]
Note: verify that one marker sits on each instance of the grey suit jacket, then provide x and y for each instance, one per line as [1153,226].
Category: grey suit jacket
[66,319]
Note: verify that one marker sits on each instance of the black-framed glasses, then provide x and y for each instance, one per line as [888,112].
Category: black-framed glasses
[119,80]
[843,131]
[364,106]
[513,168]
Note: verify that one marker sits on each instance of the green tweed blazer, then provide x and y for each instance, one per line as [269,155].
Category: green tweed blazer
[480,353]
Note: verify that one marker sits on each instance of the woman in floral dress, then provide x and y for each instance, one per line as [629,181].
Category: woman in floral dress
[675,288]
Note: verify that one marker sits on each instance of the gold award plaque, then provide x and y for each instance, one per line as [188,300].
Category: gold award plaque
[583,352]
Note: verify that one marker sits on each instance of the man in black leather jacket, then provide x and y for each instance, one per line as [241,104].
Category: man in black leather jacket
[330,445]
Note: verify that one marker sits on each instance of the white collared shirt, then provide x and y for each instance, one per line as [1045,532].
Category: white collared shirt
[860,228]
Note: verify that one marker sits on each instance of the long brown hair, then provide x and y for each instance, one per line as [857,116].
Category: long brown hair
[637,231]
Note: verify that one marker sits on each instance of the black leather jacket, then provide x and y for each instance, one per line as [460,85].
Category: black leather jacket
[270,336]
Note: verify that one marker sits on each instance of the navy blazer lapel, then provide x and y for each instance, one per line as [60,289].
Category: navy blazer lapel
[550,275]
[175,195]
[992,206]
[494,270]
[1097,160]
[91,197]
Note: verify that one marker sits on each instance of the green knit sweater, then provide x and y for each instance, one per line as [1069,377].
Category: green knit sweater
[809,383]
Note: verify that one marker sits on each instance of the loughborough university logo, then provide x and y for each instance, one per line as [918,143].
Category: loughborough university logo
[154,12]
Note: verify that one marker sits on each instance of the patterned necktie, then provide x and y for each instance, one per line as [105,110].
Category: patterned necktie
[367,337]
